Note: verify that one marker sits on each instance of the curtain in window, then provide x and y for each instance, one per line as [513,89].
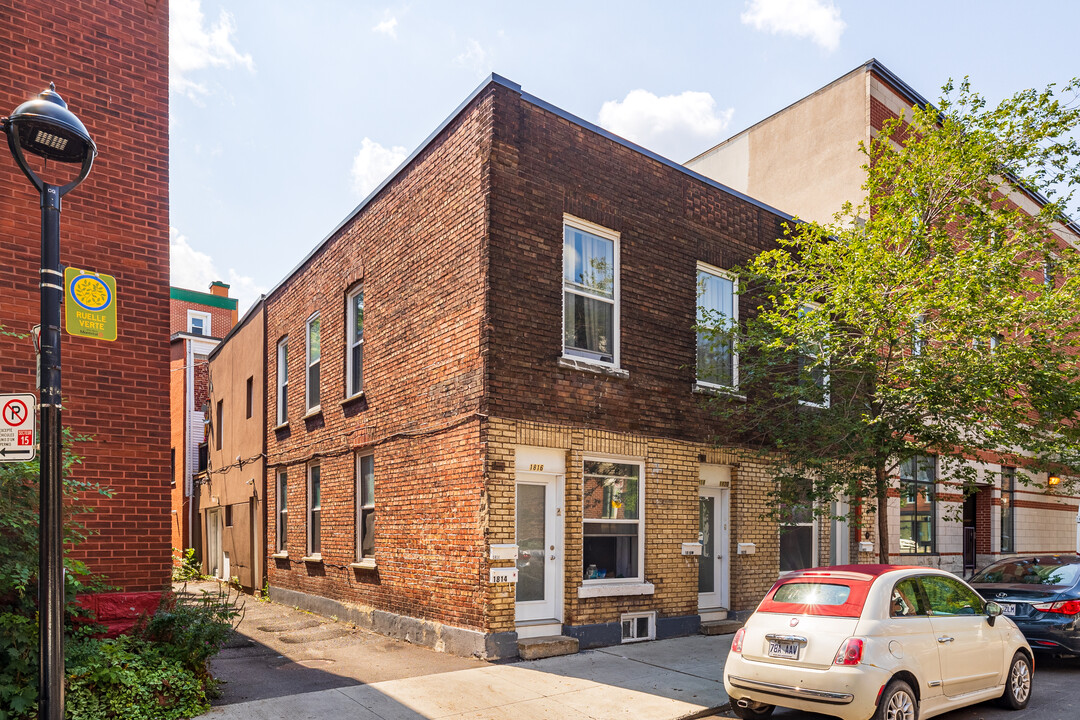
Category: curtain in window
[589,279]
[716,308]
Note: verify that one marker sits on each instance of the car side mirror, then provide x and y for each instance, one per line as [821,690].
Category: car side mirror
[992,612]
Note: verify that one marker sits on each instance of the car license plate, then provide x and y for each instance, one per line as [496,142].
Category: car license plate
[784,650]
[1008,608]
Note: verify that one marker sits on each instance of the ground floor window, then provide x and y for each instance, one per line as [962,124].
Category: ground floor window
[283,510]
[612,537]
[918,505]
[365,507]
[797,534]
[314,509]
[1008,489]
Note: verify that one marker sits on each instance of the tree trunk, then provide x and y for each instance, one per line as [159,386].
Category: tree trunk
[881,487]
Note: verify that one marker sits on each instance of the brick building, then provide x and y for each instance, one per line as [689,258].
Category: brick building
[818,136]
[484,422]
[109,61]
[197,322]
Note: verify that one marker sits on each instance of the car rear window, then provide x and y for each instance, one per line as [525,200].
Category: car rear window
[1029,572]
[801,596]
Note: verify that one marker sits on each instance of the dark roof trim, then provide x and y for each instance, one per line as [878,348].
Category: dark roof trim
[236,328]
[495,79]
[201,298]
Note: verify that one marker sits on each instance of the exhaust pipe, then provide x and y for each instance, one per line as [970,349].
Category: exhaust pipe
[743,703]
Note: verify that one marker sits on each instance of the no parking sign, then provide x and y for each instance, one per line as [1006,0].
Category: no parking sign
[17,422]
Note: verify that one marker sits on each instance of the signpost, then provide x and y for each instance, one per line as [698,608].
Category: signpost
[17,424]
[90,304]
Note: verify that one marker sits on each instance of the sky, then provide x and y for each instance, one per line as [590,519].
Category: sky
[284,115]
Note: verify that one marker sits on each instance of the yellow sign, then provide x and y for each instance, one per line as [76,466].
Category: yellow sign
[90,304]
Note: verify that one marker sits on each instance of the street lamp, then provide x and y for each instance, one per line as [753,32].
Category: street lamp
[46,128]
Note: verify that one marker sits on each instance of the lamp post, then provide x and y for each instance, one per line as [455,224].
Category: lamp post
[46,128]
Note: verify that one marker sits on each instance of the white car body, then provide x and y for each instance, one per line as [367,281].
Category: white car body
[949,660]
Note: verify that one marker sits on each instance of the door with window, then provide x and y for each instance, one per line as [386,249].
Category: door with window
[214,557]
[713,535]
[539,542]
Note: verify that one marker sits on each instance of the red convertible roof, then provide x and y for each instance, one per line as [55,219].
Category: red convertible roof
[858,578]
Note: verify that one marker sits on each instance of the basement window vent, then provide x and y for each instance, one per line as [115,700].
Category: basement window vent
[638,626]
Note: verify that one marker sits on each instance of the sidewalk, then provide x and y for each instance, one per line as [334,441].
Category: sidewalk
[287,664]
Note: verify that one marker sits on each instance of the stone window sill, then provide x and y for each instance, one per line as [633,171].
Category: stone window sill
[313,412]
[365,564]
[718,391]
[591,367]
[352,398]
[316,558]
[615,589]
[282,426]
[280,556]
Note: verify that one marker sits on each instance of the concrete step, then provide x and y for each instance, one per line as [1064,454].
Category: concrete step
[720,627]
[548,646]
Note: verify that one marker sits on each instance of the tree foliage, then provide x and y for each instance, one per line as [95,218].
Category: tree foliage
[940,314]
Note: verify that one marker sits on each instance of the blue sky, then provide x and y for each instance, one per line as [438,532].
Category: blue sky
[283,115]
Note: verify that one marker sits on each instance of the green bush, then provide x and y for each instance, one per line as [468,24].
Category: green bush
[186,566]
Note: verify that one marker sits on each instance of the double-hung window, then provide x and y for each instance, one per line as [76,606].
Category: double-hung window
[918,505]
[613,540]
[717,314]
[282,510]
[590,292]
[798,536]
[1008,490]
[365,507]
[354,357]
[813,369]
[314,354]
[314,496]
[198,322]
[283,381]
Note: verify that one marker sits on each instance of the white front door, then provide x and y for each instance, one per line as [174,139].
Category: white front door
[840,537]
[713,536]
[539,542]
[214,558]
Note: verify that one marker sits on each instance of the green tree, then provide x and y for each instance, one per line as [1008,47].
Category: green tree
[933,316]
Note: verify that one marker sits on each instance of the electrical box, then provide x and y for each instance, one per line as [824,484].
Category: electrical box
[747,548]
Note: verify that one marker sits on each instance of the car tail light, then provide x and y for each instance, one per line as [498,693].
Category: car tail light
[850,653]
[736,642]
[1062,607]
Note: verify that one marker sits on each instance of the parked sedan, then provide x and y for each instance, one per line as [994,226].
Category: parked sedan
[1041,593]
[875,641]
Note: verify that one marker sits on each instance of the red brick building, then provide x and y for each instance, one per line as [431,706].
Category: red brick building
[109,61]
[197,322]
[503,329]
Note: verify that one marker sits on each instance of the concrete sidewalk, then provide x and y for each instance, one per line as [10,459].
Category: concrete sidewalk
[290,665]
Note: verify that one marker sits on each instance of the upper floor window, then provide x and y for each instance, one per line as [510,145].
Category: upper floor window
[283,381]
[365,507]
[717,312]
[249,397]
[813,369]
[918,505]
[354,361]
[219,420]
[314,353]
[613,540]
[198,322]
[590,292]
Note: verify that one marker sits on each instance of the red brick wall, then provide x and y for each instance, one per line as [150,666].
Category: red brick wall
[418,250]
[221,320]
[109,61]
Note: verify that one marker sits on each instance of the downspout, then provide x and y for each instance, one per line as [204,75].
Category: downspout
[189,414]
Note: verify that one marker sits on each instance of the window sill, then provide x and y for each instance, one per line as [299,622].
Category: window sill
[282,426]
[365,564]
[616,589]
[316,558]
[719,391]
[313,412]
[352,398]
[280,556]
[592,367]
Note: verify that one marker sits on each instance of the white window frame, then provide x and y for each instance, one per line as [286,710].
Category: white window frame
[607,234]
[640,521]
[633,637]
[283,381]
[815,531]
[282,542]
[199,315]
[352,342]
[362,507]
[827,399]
[312,551]
[308,364]
[713,270]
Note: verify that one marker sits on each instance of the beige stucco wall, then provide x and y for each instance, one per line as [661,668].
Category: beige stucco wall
[239,484]
[803,160]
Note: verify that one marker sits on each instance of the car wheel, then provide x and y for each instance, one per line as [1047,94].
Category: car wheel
[1018,683]
[898,702]
[747,713]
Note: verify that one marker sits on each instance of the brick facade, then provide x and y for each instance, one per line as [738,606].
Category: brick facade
[109,61]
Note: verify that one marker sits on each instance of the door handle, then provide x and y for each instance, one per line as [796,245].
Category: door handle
[945,639]
[552,557]
[719,557]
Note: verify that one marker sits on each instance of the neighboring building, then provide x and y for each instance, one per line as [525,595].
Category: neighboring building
[110,64]
[230,490]
[805,159]
[488,371]
[198,321]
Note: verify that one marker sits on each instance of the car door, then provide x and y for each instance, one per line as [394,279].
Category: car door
[911,635]
[969,648]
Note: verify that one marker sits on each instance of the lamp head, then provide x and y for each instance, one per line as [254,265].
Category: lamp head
[44,126]
[1053,480]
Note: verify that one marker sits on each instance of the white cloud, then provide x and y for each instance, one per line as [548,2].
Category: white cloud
[372,164]
[387,27]
[195,270]
[475,57]
[676,126]
[194,47]
[818,20]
